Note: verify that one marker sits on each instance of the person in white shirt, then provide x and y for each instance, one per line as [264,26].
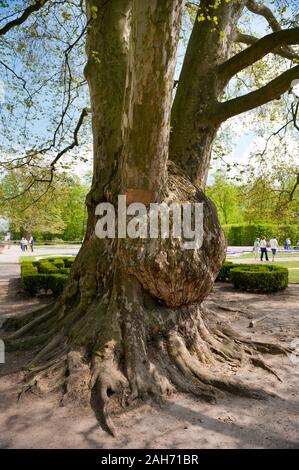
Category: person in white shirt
[25,244]
[263,245]
[274,247]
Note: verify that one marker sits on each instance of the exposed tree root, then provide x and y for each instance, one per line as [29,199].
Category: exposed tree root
[45,378]
[47,351]
[108,379]
[188,363]
[22,325]
[26,343]
[141,354]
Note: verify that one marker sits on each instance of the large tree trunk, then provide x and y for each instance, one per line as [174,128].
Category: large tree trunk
[129,322]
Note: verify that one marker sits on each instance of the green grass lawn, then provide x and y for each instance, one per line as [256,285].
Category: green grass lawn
[38,257]
[293,273]
[294,276]
[287,264]
[251,255]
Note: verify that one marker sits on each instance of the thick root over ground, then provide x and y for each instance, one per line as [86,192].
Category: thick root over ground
[148,352]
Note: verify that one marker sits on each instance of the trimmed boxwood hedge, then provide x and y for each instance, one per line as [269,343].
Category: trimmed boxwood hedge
[254,277]
[224,273]
[46,267]
[263,278]
[48,273]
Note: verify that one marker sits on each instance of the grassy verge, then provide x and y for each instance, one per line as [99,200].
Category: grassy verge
[251,256]
[39,257]
[294,276]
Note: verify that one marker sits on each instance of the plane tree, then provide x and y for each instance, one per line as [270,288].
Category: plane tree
[131,322]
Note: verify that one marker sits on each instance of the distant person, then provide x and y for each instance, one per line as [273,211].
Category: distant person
[288,244]
[296,246]
[31,243]
[25,244]
[274,247]
[256,248]
[263,245]
[22,244]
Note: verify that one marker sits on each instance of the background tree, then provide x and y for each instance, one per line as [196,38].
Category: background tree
[269,196]
[24,217]
[58,212]
[130,321]
[226,196]
[73,209]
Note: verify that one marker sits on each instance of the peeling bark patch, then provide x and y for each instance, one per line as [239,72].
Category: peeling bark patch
[140,195]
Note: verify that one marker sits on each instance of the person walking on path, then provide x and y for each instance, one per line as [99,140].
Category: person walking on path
[22,244]
[263,245]
[256,248]
[31,243]
[288,244]
[25,244]
[274,247]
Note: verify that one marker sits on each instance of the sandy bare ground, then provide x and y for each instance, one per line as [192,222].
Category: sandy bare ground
[183,421]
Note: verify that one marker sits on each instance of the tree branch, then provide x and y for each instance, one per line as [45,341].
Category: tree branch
[258,50]
[75,142]
[294,109]
[21,19]
[273,90]
[49,179]
[262,10]
[282,52]
[291,198]
[18,77]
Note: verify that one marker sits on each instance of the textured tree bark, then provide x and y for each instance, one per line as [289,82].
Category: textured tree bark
[106,69]
[129,323]
[200,86]
[146,119]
